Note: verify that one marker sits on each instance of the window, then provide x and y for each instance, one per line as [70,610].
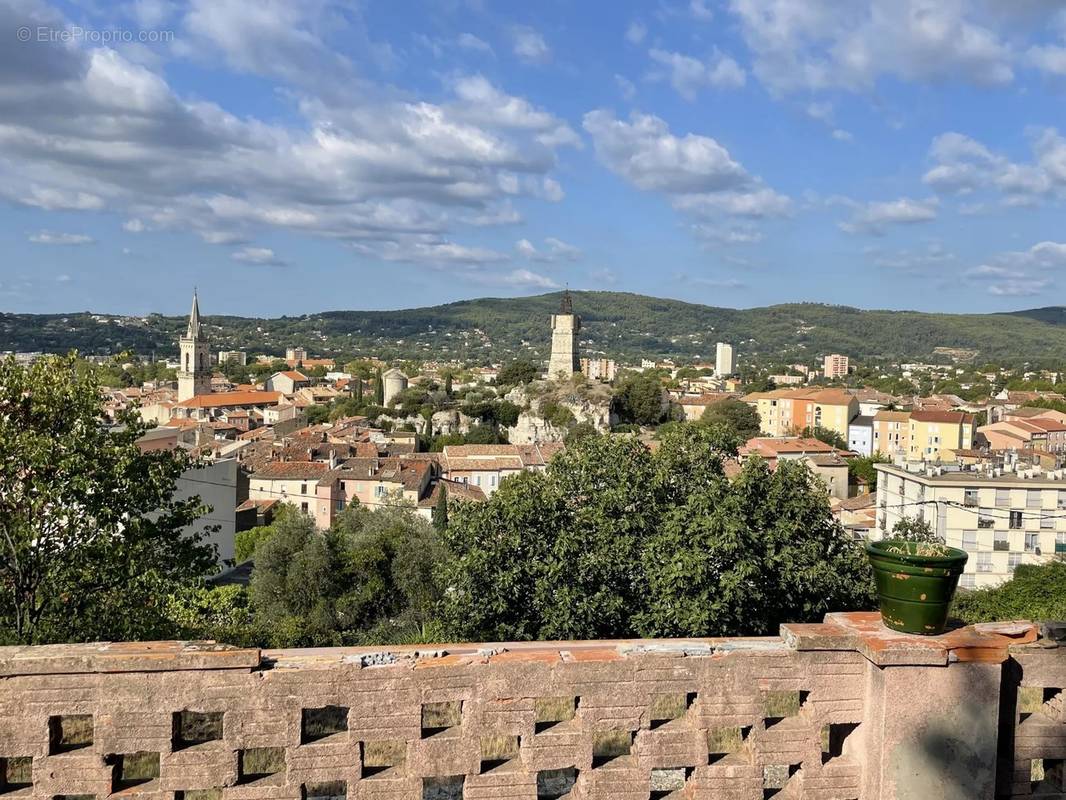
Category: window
[969,541]
[1031,540]
[303,488]
[1060,542]
[1015,520]
[303,507]
[984,562]
[1002,498]
[970,498]
[967,580]
[1062,498]
[477,480]
[1000,542]
[379,491]
[985,523]
[1013,560]
[1047,523]
[492,480]
[1032,498]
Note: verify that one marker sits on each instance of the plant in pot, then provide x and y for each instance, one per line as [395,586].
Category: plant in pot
[916,575]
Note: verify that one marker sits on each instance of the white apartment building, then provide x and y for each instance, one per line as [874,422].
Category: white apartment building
[232,357]
[723,360]
[1001,516]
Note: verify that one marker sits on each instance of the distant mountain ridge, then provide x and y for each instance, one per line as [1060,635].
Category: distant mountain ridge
[618,324]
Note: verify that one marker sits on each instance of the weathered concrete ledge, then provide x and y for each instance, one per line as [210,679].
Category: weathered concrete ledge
[839,710]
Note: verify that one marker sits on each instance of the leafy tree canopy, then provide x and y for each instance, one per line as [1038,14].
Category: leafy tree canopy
[638,399]
[615,541]
[1037,592]
[517,372]
[736,415]
[90,535]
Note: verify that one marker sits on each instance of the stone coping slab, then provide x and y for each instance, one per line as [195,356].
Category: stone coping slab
[860,632]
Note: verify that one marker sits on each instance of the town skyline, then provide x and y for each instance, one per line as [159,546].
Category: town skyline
[739,154]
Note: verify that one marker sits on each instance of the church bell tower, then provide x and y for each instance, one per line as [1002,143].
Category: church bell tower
[194,371]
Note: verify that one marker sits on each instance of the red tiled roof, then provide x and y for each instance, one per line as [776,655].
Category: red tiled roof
[220,399]
[295,376]
[954,417]
[291,470]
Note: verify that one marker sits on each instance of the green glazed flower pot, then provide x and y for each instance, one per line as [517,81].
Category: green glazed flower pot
[915,590]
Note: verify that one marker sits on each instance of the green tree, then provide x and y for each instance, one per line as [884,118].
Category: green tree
[517,372]
[368,579]
[638,398]
[448,384]
[90,533]
[440,510]
[735,415]
[1038,592]
[612,540]
[864,468]
[826,435]
[317,414]
[379,388]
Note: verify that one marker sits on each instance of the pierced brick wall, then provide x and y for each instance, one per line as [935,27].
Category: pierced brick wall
[801,716]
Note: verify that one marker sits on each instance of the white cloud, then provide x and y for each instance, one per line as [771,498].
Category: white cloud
[698,175]
[257,255]
[962,165]
[636,32]
[625,86]
[689,75]
[55,237]
[468,41]
[554,250]
[699,11]
[133,226]
[644,152]
[530,46]
[1021,272]
[366,164]
[801,45]
[842,135]
[873,218]
[526,278]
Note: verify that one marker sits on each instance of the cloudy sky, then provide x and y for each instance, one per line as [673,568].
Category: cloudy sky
[289,157]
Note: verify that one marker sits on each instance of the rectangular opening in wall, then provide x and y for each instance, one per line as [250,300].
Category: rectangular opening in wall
[724,742]
[440,717]
[1047,776]
[69,732]
[260,764]
[318,723]
[383,755]
[775,778]
[133,769]
[333,790]
[668,707]
[196,727]
[667,780]
[199,794]
[553,784]
[551,711]
[448,788]
[609,745]
[834,735]
[16,772]
[778,705]
[497,751]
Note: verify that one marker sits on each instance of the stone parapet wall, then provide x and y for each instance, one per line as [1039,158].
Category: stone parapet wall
[841,710]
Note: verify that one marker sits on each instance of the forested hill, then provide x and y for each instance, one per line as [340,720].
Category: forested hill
[621,325]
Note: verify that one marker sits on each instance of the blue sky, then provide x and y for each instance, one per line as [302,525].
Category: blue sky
[295,157]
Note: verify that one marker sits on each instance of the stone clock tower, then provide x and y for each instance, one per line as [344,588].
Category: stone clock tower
[565,327]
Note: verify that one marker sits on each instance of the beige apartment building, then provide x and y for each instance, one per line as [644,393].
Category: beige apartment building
[835,366]
[891,433]
[1002,517]
[786,412]
[931,432]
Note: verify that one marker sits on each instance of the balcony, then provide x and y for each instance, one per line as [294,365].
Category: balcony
[1001,545]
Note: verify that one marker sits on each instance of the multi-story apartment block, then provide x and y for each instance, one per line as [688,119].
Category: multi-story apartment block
[891,433]
[723,360]
[835,366]
[1002,516]
[232,357]
[930,432]
[784,412]
[599,369]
